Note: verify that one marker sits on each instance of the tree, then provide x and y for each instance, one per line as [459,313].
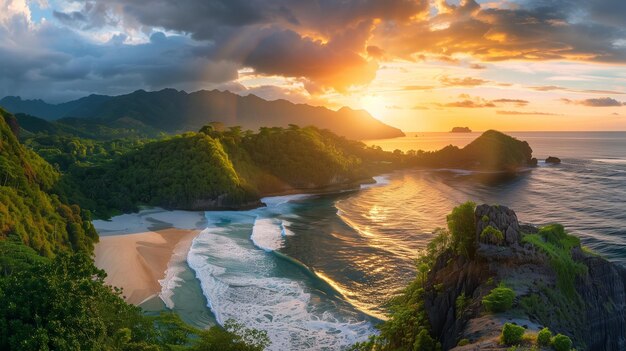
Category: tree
[462,227]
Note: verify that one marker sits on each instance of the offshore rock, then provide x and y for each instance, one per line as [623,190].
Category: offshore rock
[554,160]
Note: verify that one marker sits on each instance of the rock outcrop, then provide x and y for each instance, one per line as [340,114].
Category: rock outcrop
[498,217]
[553,160]
[594,316]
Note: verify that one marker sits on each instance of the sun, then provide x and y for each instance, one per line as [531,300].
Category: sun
[375,105]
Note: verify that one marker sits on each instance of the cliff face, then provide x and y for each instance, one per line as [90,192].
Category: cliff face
[593,314]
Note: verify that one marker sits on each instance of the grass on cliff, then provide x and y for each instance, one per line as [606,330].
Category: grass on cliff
[558,245]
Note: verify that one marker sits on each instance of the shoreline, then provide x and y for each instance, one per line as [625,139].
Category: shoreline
[137,250]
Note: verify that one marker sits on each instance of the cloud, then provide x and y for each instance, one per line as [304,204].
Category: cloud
[530,30]
[326,64]
[105,45]
[518,102]
[588,91]
[599,102]
[417,87]
[461,82]
[547,88]
[523,113]
[469,104]
[324,43]
[468,101]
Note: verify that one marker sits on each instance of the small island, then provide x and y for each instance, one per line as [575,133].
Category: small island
[461,130]
[553,160]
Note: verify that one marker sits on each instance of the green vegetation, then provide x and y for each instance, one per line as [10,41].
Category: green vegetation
[68,307]
[28,212]
[492,234]
[104,163]
[462,226]
[463,342]
[215,168]
[408,327]
[544,337]
[461,303]
[52,296]
[493,150]
[561,343]
[512,334]
[558,245]
[500,299]
[180,172]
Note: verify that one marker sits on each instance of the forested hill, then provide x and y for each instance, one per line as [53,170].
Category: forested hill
[52,297]
[175,111]
[212,169]
[28,212]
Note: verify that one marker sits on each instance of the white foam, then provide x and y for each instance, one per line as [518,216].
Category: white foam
[267,234]
[170,282]
[242,282]
[275,201]
[285,231]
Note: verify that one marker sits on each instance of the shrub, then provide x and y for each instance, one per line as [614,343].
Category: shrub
[561,343]
[424,342]
[558,245]
[462,227]
[500,299]
[463,342]
[493,235]
[462,301]
[512,334]
[544,337]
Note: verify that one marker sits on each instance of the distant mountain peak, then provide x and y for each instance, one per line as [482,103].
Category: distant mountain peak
[172,110]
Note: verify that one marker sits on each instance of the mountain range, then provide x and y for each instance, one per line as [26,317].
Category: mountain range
[174,111]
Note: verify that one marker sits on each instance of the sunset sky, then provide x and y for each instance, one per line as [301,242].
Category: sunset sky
[418,65]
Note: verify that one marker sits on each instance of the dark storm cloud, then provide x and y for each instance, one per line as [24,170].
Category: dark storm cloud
[322,42]
[59,64]
[326,44]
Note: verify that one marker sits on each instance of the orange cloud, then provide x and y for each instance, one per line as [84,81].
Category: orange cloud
[462,82]
[596,102]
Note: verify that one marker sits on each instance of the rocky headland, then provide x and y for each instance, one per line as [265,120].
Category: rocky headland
[556,283]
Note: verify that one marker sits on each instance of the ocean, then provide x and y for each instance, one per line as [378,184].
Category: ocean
[316,271]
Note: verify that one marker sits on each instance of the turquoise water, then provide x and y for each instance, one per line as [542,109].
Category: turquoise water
[316,271]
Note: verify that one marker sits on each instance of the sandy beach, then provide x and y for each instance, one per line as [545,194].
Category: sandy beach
[136,249]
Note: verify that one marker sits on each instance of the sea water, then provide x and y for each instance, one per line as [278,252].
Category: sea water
[316,272]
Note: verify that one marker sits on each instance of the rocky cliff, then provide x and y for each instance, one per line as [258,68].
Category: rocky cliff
[556,282]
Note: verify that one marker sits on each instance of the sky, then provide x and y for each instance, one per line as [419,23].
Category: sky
[420,65]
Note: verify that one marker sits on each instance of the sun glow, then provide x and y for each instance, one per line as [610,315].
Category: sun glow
[375,105]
